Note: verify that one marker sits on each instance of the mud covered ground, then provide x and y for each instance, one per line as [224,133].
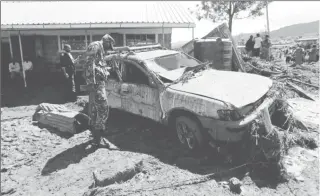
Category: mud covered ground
[40,161]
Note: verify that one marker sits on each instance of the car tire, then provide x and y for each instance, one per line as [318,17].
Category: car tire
[189,132]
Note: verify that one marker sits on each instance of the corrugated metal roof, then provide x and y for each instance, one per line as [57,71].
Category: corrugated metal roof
[84,12]
[308,39]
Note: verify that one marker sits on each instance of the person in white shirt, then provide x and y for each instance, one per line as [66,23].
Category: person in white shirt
[14,69]
[257,45]
[27,65]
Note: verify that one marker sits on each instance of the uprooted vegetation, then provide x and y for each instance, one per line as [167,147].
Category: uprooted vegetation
[289,130]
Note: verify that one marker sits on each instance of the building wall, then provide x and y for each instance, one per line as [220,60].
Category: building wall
[167,40]
[50,52]
[48,43]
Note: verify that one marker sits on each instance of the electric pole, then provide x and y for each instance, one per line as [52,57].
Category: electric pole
[267,18]
[268,28]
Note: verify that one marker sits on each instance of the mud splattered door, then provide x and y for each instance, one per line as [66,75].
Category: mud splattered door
[138,93]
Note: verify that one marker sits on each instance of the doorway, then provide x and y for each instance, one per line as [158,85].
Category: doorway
[5,60]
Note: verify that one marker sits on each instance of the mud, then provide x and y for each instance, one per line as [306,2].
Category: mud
[41,161]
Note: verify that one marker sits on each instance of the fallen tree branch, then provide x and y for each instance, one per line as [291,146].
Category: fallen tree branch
[301,91]
[264,71]
[304,83]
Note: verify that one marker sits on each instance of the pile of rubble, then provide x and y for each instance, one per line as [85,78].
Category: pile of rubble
[295,122]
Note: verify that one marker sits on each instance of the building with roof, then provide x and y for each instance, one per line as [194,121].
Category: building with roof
[39,30]
[308,41]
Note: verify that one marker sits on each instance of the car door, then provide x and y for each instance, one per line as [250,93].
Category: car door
[138,91]
[113,86]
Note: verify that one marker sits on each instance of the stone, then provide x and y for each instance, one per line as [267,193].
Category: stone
[119,171]
[235,185]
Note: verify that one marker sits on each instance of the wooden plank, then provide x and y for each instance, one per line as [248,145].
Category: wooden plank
[302,92]
[21,53]
[10,45]
[304,83]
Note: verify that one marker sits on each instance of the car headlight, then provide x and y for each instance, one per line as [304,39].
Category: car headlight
[229,115]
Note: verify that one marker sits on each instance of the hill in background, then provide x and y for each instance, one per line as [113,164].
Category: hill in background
[310,29]
[302,29]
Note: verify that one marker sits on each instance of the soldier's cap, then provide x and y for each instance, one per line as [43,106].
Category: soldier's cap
[66,46]
[108,38]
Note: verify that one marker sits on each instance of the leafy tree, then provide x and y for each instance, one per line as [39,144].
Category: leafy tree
[228,10]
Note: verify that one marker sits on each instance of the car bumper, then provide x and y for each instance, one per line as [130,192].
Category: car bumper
[234,130]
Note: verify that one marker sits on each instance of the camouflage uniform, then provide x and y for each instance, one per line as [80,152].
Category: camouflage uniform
[96,73]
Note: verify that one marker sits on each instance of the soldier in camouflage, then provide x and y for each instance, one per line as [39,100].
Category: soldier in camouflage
[96,74]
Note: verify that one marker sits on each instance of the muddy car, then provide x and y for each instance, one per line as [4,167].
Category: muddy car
[201,104]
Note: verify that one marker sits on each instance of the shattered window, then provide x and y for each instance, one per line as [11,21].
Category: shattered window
[134,75]
[176,61]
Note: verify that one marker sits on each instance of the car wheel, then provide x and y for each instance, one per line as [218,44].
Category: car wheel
[189,132]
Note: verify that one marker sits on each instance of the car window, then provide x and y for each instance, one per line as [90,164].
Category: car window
[113,73]
[175,61]
[132,74]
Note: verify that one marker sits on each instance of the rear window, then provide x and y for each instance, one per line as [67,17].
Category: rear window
[176,61]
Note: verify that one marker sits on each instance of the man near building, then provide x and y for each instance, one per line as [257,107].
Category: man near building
[68,69]
[96,74]
[14,69]
[257,45]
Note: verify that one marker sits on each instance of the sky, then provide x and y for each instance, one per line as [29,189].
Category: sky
[281,14]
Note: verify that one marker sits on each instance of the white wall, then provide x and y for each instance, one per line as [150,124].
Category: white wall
[92,31]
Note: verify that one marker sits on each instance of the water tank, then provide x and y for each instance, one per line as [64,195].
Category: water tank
[215,50]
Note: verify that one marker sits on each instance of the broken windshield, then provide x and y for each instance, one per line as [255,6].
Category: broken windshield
[176,61]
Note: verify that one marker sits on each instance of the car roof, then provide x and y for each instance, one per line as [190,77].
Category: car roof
[154,54]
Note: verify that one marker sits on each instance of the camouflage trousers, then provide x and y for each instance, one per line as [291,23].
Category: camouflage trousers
[99,107]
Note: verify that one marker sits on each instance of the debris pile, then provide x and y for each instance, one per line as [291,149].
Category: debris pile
[294,122]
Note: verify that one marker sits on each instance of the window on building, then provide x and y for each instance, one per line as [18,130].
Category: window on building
[77,43]
[140,39]
[118,38]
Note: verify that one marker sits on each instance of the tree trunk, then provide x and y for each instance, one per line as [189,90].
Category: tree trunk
[230,24]
[230,16]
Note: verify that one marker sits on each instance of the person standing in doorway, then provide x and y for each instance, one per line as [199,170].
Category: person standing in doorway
[257,45]
[96,75]
[14,69]
[68,68]
[250,45]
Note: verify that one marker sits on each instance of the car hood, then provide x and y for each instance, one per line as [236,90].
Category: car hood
[236,88]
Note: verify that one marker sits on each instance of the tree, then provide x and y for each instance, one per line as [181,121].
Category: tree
[229,10]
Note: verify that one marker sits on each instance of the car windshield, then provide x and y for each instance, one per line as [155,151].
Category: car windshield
[170,67]
[176,61]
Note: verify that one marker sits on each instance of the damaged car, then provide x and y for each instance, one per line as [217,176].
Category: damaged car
[202,104]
